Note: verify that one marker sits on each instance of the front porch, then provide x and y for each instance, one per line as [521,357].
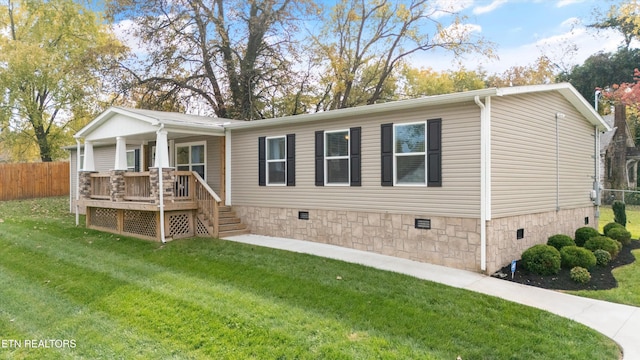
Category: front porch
[129,203]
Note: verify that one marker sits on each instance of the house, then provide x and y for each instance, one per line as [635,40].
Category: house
[619,155]
[466,180]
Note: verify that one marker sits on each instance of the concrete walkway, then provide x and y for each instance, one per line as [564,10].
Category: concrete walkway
[619,322]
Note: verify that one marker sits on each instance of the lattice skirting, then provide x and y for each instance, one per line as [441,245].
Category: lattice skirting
[201,229]
[140,223]
[104,218]
[145,224]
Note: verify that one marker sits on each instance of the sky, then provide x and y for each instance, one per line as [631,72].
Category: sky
[523,30]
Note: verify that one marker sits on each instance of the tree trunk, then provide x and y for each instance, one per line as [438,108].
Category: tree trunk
[619,160]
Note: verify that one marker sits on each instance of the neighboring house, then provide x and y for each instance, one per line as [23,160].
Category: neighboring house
[611,144]
[466,180]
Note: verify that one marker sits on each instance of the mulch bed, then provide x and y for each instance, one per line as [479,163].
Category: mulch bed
[601,277]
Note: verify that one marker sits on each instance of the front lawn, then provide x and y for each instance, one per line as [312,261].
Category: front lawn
[117,297]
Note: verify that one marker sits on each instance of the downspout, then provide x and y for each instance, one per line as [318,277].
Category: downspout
[77,181]
[160,185]
[483,182]
[596,180]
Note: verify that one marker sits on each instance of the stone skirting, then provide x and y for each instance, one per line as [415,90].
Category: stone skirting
[452,242]
[502,241]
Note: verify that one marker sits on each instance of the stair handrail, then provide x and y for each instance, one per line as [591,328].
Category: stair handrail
[212,217]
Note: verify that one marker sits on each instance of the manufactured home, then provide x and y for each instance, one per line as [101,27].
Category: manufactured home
[466,180]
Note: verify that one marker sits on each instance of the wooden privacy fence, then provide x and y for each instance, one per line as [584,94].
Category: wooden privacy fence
[33,180]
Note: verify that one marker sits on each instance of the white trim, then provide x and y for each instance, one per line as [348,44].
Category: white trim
[227,167]
[424,153]
[282,160]
[340,157]
[190,164]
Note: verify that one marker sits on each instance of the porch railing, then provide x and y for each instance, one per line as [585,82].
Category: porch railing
[208,203]
[100,186]
[137,186]
[184,186]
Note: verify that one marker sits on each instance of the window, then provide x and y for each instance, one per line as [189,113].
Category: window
[191,157]
[411,153]
[133,160]
[338,158]
[276,161]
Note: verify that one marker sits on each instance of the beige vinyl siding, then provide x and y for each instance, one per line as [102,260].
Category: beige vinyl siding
[458,196]
[523,142]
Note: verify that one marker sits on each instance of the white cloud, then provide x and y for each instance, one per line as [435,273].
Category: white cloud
[488,8]
[442,8]
[563,3]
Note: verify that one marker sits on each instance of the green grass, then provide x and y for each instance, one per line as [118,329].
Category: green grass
[628,277]
[119,297]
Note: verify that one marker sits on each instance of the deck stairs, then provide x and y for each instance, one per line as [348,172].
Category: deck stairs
[229,223]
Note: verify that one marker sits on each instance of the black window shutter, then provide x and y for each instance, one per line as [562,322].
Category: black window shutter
[262,161]
[136,160]
[320,158]
[434,152]
[386,149]
[356,160]
[291,159]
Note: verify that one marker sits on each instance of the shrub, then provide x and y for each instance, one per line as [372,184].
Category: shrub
[580,275]
[619,213]
[621,234]
[559,241]
[604,243]
[585,233]
[573,256]
[541,259]
[602,257]
[610,226]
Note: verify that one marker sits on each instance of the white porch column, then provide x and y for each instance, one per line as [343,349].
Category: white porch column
[162,152]
[89,163]
[121,154]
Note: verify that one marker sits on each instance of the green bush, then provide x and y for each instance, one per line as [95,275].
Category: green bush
[572,256]
[580,275]
[585,233]
[621,234]
[604,243]
[602,257]
[560,240]
[619,213]
[541,259]
[610,226]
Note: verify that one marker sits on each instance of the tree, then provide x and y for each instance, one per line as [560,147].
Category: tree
[51,54]
[364,42]
[231,55]
[427,82]
[542,71]
[624,19]
[602,70]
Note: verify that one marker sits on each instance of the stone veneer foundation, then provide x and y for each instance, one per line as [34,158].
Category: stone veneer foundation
[452,242]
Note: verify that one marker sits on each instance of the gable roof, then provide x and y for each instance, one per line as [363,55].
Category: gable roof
[565,89]
[150,120]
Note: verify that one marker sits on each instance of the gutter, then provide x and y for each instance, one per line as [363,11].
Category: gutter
[485,175]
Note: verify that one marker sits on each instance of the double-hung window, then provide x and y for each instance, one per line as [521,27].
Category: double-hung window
[276,160]
[191,157]
[336,159]
[411,153]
